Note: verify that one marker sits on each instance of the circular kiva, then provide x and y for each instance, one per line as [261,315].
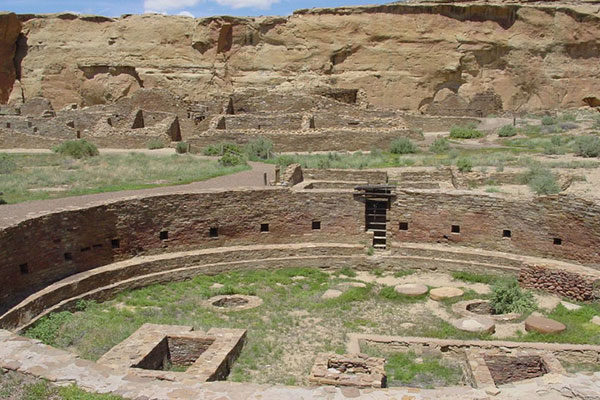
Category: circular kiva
[443,293]
[478,307]
[477,324]
[233,302]
[543,325]
[412,289]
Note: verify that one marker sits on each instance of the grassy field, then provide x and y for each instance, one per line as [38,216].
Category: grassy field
[289,329]
[44,176]
[15,386]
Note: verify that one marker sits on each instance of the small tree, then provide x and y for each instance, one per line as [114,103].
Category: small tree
[464,164]
[260,148]
[440,145]
[77,149]
[402,146]
[507,131]
[587,146]
[465,132]
[181,148]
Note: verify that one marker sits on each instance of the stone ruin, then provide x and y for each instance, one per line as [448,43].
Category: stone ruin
[356,370]
[177,353]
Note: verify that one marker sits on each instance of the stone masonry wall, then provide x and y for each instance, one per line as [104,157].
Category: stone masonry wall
[561,226]
[42,250]
[563,283]
[345,175]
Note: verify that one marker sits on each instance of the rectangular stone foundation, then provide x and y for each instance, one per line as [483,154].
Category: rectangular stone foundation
[356,370]
[152,349]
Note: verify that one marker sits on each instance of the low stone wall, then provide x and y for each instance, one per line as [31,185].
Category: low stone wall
[333,139]
[437,123]
[574,285]
[346,175]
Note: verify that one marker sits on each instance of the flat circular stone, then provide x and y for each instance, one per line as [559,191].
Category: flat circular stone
[411,289]
[331,294]
[543,325]
[445,293]
[476,324]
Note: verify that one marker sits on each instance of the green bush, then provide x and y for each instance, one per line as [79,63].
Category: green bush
[587,146]
[440,145]
[221,149]
[531,130]
[567,116]
[7,164]
[465,132]
[155,144]
[261,149]
[508,297]
[541,180]
[402,146]
[464,164]
[232,159]
[507,131]
[181,148]
[77,149]
[548,120]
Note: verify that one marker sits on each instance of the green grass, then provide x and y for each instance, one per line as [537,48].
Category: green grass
[44,176]
[408,369]
[16,386]
[284,334]
[579,328]
[472,277]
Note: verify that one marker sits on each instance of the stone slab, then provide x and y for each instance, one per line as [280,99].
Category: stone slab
[477,324]
[443,293]
[543,325]
[412,289]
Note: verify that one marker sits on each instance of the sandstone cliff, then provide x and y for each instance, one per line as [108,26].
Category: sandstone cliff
[448,58]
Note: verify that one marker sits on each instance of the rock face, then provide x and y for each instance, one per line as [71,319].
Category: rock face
[467,58]
[10,28]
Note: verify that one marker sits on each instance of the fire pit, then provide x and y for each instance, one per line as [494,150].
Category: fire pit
[233,302]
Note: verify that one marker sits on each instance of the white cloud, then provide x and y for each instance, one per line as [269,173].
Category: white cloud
[164,5]
[186,14]
[263,4]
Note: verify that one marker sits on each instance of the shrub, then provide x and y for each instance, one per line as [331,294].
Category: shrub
[541,180]
[402,146]
[155,144]
[440,145]
[464,164]
[507,131]
[587,146]
[260,148]
[221,148]
[548,120]
[232,159]
[508,297]
[465,132]
[181,148]
[77,149]
[567,116]
[567,126]
[551,129]
[7,164]
[531,129]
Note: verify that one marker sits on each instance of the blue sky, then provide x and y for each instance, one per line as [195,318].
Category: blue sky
[197,8]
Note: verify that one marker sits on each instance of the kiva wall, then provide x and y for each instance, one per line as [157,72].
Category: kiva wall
[42,250]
